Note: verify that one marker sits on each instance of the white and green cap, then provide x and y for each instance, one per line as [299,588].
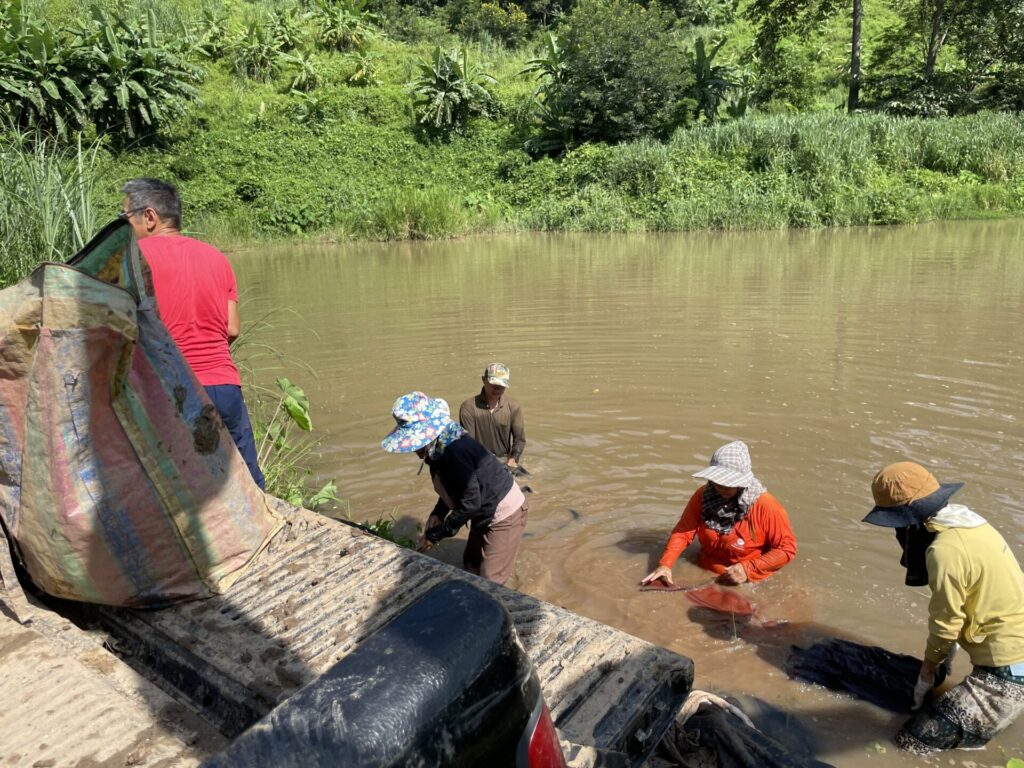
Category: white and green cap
[497,374]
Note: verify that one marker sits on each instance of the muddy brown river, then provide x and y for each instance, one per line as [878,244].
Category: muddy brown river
[830,353]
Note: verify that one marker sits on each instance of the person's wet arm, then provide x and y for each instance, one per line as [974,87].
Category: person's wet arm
[467,504]
[779,546]
[683,532]
[234,324]
[678,540]
[518,435]
[946,615]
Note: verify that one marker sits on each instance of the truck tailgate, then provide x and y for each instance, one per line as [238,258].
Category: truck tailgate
[322,587]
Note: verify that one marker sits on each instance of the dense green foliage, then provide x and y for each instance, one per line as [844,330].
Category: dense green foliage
[338,118]
[450,90]
[621,77]
[124,78]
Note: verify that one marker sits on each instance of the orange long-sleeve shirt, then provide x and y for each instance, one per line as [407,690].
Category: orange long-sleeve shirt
[763,540]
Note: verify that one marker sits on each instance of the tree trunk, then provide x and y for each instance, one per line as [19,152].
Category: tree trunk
[854,97]
[935,38]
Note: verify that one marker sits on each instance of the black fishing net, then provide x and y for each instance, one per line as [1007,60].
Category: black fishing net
[867,672]
[717,737]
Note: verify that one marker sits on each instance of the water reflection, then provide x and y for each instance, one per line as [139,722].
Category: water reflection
[830,353]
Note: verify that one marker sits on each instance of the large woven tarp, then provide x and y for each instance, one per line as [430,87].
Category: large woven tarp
[118,482]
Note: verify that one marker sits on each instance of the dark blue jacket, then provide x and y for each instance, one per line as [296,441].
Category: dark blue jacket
[475,481]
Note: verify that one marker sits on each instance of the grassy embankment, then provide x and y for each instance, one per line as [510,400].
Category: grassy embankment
[255,161]
[249,166]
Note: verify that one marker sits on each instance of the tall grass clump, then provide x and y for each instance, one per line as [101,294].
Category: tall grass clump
[417,214]
[46,200]
[792,171]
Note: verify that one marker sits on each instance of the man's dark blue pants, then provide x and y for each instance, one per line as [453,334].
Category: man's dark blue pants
[227,399]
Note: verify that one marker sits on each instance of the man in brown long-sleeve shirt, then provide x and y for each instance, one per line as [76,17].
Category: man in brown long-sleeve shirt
[495,420]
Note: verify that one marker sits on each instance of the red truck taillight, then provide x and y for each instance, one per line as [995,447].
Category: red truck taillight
[544,750]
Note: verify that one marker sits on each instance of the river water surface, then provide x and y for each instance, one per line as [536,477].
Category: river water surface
[830,353]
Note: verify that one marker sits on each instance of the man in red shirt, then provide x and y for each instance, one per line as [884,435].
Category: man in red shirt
[198,300]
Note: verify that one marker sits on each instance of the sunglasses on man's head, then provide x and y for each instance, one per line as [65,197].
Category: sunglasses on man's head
[130,212]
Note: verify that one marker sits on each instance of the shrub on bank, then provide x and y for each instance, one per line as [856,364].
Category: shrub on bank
[248,170]
[812,170]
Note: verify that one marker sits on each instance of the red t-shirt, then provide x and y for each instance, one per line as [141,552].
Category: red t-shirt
[193,283]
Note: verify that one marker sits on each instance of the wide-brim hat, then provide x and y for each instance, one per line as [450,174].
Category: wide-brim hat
[420,419]
[906,494]
[730,466]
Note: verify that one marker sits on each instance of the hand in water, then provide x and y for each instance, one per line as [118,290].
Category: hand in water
[424,543]
[734,574]
[925,683]
[661,572]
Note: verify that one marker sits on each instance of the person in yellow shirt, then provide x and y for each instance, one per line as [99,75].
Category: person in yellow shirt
[977,602]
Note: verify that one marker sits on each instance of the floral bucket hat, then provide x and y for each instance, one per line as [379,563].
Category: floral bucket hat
[420,419]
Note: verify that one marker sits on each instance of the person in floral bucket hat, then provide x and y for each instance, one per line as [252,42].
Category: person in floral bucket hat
[743,530]
[472,486]
[977,602]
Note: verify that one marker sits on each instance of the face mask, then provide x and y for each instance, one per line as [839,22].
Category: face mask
[914,541]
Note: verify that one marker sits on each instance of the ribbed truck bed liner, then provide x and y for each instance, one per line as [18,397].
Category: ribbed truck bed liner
[66,701]
[322,587]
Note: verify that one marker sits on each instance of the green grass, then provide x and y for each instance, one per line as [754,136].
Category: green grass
[256,162]
[47,208]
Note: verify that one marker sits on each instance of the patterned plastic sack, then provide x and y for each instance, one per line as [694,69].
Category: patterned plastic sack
[118,482]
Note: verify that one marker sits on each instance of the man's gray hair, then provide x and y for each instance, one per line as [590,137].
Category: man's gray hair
[159,195]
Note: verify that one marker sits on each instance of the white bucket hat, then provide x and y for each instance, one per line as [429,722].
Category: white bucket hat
[730,466]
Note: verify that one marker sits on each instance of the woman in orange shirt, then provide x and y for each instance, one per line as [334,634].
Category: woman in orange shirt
[743,530]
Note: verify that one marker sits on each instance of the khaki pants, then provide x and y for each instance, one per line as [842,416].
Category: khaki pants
[491,552]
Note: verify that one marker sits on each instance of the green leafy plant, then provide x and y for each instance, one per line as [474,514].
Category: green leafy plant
[139,80]
[385,529]
[276,412]
[343,25]
[450,90]
[550,66]
[311,111]
[711,82]
[365,72]
[40,75]
[286,28]
[505,22]
[257,54]
[282,457]
[556,123]
[210,40]
[127,79]
[618,75]
[306,74]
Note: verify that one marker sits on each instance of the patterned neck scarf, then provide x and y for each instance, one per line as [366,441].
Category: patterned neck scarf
[722,515]
[451,432]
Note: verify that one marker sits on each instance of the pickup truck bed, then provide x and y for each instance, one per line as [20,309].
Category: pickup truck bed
[322,587]
[67,701]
